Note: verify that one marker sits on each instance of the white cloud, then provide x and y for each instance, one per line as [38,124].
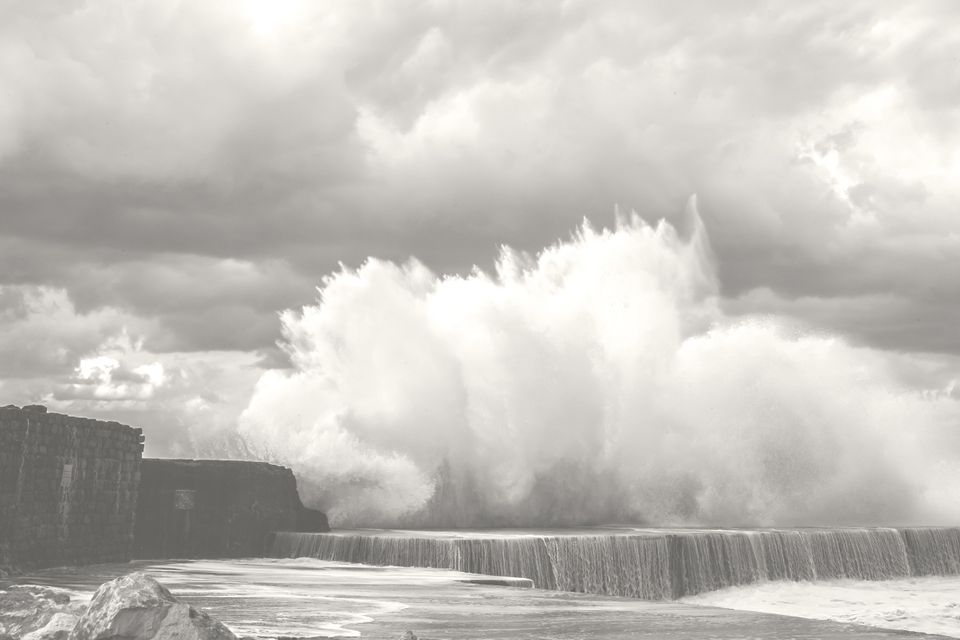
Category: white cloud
[42,333]
[103,377]
[97,364]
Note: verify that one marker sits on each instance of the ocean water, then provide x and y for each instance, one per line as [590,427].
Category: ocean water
[309,598]
[618,579]
[929,604]
[267,598]
[894,578]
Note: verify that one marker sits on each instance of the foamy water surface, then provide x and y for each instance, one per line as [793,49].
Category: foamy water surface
[269,598]
[926,604]
[310,598]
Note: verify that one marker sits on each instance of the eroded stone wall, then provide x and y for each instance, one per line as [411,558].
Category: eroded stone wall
[216,508]
[68,488]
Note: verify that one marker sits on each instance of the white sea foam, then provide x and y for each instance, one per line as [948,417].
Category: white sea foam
[597,381]
[310,598]
[927,604]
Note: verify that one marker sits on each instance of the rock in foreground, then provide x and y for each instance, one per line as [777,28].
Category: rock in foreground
[136,606]
[58,627]
[36,612]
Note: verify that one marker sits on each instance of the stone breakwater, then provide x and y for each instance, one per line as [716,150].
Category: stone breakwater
[649,564]
[77,491]
[216,508]
[68,488]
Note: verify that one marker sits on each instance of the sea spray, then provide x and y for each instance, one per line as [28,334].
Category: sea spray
[597,381]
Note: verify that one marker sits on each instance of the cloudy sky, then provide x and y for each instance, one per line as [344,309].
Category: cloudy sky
[174,174]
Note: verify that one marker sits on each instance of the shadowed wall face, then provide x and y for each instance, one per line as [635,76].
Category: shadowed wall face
[216,508]
[68,488]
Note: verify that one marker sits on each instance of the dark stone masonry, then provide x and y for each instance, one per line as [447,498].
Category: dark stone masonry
[77,491]
[68,488]
[217,508]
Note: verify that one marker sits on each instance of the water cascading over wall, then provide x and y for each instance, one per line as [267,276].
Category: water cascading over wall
[652,565]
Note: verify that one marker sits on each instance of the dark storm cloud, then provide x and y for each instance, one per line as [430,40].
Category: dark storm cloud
[881,320]
[187,302]
[186,170]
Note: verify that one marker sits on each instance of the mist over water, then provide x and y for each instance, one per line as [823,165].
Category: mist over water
[597,381]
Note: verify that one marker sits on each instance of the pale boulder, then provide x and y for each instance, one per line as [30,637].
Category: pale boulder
[26,609]
[136,606]
[58,627]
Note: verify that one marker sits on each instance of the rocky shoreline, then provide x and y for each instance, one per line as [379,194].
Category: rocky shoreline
[132,606]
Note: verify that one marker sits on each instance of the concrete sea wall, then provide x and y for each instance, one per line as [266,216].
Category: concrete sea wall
[68,488]
[651,564]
